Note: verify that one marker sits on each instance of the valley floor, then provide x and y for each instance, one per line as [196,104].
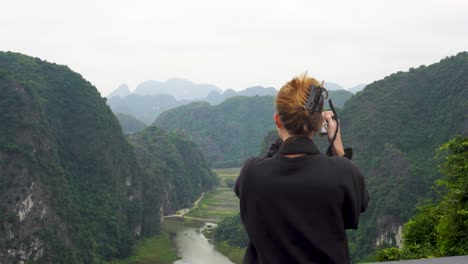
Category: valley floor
[212,207]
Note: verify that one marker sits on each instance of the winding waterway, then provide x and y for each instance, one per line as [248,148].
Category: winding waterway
[194,248]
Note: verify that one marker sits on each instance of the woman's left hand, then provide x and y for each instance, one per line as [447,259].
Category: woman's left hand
[337,147]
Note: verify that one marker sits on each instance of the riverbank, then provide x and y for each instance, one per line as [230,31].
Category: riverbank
[235,254]
[154,250]
[211,206]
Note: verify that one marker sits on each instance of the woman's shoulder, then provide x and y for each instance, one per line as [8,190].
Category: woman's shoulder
[255,161]
[342,162]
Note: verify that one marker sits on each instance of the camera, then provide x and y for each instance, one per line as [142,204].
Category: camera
[324,128]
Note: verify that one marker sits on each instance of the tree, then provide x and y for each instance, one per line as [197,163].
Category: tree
[439,229]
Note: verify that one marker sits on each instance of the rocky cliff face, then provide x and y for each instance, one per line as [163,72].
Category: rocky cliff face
[176,164]
[71,188]
[66,196]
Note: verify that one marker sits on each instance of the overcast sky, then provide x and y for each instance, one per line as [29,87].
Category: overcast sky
[235,44]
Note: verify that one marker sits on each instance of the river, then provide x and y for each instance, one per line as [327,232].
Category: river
[194,248]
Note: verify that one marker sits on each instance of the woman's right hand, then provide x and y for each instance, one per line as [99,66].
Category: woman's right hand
[337,147]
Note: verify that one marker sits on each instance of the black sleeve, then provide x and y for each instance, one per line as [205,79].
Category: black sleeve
[356,197]
[240,178]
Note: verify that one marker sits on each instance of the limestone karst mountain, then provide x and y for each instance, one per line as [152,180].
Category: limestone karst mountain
[72,188]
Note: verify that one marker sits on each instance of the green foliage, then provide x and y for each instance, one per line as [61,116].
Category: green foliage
[175,165]
[229,183]
[394,127]
[129,123]
[58,133]
[215,206]
[235,254]
[453,224]
[227,133]
[154,250]
[231,231]
[440,229]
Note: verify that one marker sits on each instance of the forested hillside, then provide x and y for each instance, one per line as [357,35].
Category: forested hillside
[395,125]
[175,165]
[71,187]
[227,133]
[440,226]
[129,123]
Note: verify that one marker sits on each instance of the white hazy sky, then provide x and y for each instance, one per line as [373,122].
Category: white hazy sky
[235,44]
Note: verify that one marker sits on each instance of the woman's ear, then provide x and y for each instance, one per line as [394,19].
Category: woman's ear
[277,121]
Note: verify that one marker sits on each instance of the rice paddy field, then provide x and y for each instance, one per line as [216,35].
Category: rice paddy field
[219,203]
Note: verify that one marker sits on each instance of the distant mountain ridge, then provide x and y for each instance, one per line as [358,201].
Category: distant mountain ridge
[216,97]
[181,89]
[121,91]
[148,107]
[143,107]
[357,88]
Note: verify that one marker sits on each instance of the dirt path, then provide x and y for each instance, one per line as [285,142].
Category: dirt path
[182,212]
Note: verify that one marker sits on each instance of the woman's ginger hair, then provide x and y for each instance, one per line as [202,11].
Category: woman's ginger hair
[291,106]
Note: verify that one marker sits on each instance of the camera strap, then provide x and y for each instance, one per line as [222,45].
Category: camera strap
[335,116]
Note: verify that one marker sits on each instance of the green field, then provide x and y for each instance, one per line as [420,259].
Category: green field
[218,203]
[154,250]
[159,249]
[235,254]
[227,175]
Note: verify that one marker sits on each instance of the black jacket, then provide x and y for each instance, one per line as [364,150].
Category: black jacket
[296,210]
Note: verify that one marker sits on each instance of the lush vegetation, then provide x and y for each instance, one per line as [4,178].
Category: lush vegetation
[175,166]
[227,133]
[153,250]
[71,187]
[216,205]
[394,126]
[71,160]
[227,177]
[129,123]
[440,227]
[231,231]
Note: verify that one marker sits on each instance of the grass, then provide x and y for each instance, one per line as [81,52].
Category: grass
[158,249]
[227,174]
[221,202]
[154,250]
[216,205]
[235,254]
